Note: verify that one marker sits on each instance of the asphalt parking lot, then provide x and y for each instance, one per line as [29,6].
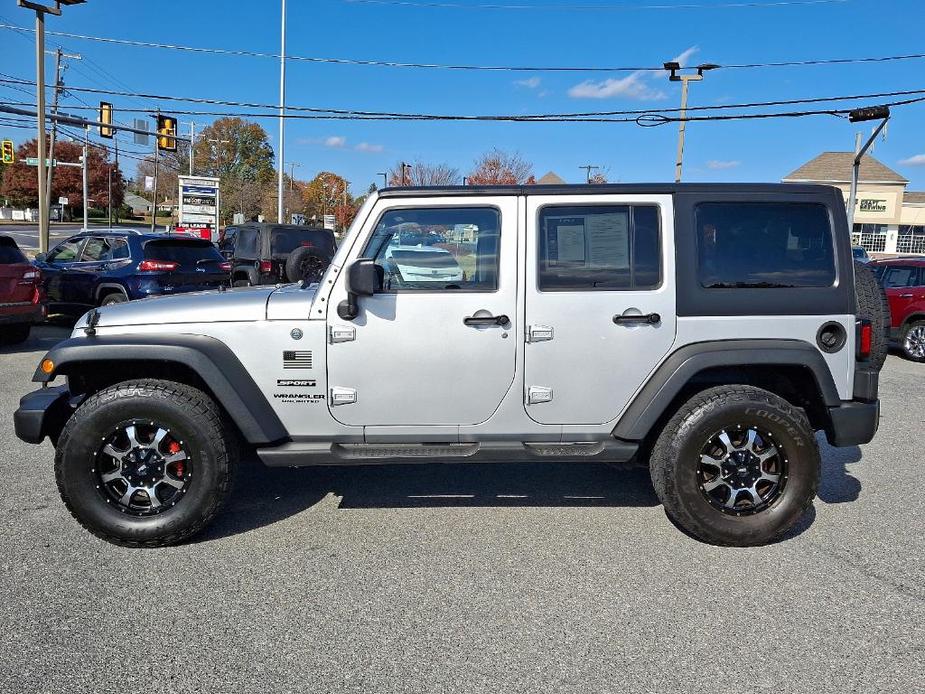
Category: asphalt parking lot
[469,578]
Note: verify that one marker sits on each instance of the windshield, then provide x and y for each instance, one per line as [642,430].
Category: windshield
[425,259]
[183,252]
[10,254]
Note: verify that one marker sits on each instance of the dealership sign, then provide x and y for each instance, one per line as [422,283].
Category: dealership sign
[199,206]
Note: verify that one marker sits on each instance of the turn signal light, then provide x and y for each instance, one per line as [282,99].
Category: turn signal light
[266,266]
[47,366]
[157,266]
[865,339]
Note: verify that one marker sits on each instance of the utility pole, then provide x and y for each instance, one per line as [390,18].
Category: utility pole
[40,12]
[404,181]
[674,67]
[84,160]
[292,166]
[59,87]
[192,145]
[588,168]
[157,150]
[282,108]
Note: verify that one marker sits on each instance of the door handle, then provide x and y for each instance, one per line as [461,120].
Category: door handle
[486,320]
[647,318]
[905,296]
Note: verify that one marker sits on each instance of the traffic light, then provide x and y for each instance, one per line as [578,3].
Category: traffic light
[9,154]
[167,133]
[106,119]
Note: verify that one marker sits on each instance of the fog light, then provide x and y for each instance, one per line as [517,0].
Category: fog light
[47,366]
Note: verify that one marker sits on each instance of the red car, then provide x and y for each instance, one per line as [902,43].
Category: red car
[21,298]
[903,279]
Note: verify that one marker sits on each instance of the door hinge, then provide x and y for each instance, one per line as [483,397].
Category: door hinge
[539,333]
[343,396]
[342,333]
[538,394]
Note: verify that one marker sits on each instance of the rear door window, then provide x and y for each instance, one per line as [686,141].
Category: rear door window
[764,245]
[246,245]
[900,276]
[599,248]
[283,241]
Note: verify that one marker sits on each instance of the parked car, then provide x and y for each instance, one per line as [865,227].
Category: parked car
[577,336]
[262,253]
[97,268]
[903,280]
[21,297]
[860,254]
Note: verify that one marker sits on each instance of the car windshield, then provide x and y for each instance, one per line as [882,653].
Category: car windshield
[859,253]
[188,252]
[284,241]
[10,254]
[431,260]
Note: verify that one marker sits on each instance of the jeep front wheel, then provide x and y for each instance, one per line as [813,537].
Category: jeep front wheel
[736,465]
[145,463]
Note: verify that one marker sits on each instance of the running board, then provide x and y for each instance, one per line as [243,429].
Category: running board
[299,454]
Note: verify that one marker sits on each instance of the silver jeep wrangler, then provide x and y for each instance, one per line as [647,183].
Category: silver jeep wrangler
[706,331]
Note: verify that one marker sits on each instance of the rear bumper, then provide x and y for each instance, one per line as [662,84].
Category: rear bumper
[853,423]
[24,312]
[42,413]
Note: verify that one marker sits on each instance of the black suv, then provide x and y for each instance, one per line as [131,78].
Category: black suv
[262,253]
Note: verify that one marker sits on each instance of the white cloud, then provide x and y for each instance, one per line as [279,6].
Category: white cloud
[638,85]
[718,165]
[335,141]
[914,160]
[368,147]
[529,83]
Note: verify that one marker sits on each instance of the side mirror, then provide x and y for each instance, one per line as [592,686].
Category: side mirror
[41,257]
[364,278]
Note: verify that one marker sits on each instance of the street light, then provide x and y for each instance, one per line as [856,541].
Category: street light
[588,168]
[40,12]
[282,109]
[859,115]
[385,178]
[674,67]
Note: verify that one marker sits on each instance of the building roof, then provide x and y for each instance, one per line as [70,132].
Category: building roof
[913,197]
[835,167]
[136,201]
[551,179]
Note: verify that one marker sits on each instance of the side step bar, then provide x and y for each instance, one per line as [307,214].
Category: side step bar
[299,454]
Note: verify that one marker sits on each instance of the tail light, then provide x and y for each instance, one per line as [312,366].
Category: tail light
[307,244]
[224,267]
[157,266]
[865,339]
[266,266]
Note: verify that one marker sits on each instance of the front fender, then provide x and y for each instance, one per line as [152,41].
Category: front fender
[212,360]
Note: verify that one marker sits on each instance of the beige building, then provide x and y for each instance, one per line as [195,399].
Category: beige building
[888,219]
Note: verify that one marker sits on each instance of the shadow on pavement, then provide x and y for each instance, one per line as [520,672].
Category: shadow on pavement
[837,486]
[263,496]
[41,339]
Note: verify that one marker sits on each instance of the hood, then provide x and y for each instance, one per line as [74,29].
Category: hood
[233,305]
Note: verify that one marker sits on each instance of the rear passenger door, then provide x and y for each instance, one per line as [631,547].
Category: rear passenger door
[903,290]
[600,302]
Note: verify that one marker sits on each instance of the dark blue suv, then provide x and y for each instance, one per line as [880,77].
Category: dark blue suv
[95,268]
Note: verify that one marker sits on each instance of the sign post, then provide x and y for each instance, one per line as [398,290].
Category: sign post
[199,206]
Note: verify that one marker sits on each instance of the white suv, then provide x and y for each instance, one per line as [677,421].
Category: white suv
[705,330]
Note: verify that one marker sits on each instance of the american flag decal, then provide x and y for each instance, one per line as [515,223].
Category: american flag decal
[297,360]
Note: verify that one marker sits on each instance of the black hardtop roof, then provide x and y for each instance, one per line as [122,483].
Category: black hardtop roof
[607,188]
[274,225]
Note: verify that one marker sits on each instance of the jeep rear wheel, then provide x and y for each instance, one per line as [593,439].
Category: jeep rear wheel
[145,463]
[736,465]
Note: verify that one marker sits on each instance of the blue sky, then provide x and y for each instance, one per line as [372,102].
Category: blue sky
[722,151]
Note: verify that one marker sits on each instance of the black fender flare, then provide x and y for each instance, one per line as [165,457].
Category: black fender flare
[211,359]
[675,372]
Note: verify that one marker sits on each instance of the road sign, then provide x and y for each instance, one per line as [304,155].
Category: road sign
[298,218]
[140,138]
[329,222]
[149,182]
[34,161]
[9,154]
[62,201]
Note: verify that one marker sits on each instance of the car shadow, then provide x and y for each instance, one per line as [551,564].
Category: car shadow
[263,496]
[837,485]
[41,338]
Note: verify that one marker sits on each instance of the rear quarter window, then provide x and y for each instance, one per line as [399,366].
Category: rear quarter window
[284,241]
[764,245]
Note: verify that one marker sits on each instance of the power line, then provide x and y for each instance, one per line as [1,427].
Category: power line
[594,8]
[356,114]
[460,67]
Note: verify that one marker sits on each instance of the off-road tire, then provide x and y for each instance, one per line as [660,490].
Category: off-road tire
[676,454]
[903,345]
[113,298]
[873,306]
[15,334]
[241,283]
[305,264]
[187,411]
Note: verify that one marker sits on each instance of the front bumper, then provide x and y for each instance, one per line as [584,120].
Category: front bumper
[42,413]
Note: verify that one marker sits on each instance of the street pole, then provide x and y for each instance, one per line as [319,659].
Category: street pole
[385,178]
[83,159]
[855,116]
[54,129]
[682,124]
[192,145]
[40,117]
[115,142]
[588,168]
[109,195]
[282,105]
[154,204]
